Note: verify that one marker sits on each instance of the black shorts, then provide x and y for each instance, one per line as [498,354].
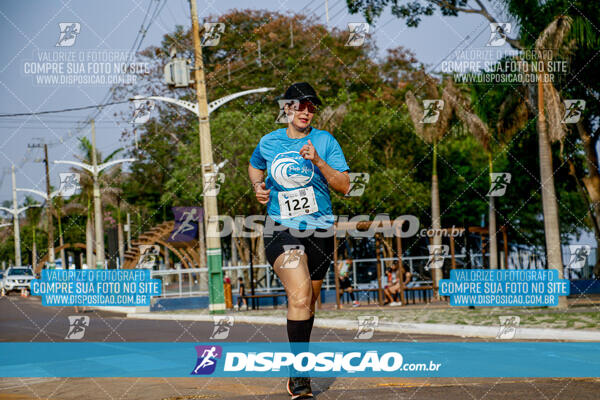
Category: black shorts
[345,283]
[319,250]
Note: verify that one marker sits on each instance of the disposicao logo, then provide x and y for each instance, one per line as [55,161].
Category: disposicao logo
[308,361]
[266,363]
[207,359]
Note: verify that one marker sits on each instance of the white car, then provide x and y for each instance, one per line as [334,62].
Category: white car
[16,279]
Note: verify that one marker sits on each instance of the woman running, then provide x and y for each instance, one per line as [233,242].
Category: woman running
[301,163]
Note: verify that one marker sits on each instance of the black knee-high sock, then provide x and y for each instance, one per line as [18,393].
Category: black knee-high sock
[299,331]
[299,335]
[351,295]
[312,321]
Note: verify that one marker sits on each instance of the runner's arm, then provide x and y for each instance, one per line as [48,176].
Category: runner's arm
[339,181]
[258,184]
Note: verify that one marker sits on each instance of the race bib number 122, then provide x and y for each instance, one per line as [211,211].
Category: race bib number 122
[297,202]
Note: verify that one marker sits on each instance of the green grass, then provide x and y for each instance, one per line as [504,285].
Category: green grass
[532,317]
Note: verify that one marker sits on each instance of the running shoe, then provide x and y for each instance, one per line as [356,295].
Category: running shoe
[299,388]
[356,303]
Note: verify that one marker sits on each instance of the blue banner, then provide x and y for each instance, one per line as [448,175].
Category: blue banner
[110,287]
[323,359]
[510,288]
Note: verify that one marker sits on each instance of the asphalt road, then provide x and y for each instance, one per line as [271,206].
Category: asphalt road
[25,319]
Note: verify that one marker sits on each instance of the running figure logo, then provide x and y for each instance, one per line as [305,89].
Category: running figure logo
[498,33]
[573,111]
[358,183]
[69,184]
[292,255]
[212,183]
[366,326]
[207,359]
[437,253]
[148,256]
[431,111]
[142,110]
[186,224]
[68,33]
[284,118]
[212,33]
[500,181]
[579,255]
[77,325]
[222,326]
[358,33]
[508,327]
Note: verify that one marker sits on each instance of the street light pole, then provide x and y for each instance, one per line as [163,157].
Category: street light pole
[202,109]
[48,199]
[95,170]
[17,232]
[213,244]
[99,231]
[15,213]
[49,205]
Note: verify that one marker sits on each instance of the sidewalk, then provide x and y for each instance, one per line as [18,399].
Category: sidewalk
[390,326]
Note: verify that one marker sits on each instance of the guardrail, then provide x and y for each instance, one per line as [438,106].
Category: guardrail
[192,282]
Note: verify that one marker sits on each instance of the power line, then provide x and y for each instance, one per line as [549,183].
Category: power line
[63,109]
[137,43]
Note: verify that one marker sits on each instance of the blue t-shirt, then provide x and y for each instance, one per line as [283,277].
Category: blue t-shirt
[287,170]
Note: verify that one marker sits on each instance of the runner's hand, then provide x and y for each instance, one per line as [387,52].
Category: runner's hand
[262,193]
[309,152]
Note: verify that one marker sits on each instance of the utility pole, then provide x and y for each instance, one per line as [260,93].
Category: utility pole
[213,244]
[48,196]
[16,221]
[327,12]
[51,264]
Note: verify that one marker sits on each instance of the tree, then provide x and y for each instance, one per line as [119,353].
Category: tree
[413,10]
[552,38]
[461,106]
[33,217]
[534,17]
[431,133]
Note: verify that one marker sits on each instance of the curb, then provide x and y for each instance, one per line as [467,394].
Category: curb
[489,332]
[121,309]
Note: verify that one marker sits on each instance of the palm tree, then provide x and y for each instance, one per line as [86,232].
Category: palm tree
[57,206]
[549,44]
[114,196]
[86,196]
[33,217]
[551,130]
[461,106]
[431,133]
